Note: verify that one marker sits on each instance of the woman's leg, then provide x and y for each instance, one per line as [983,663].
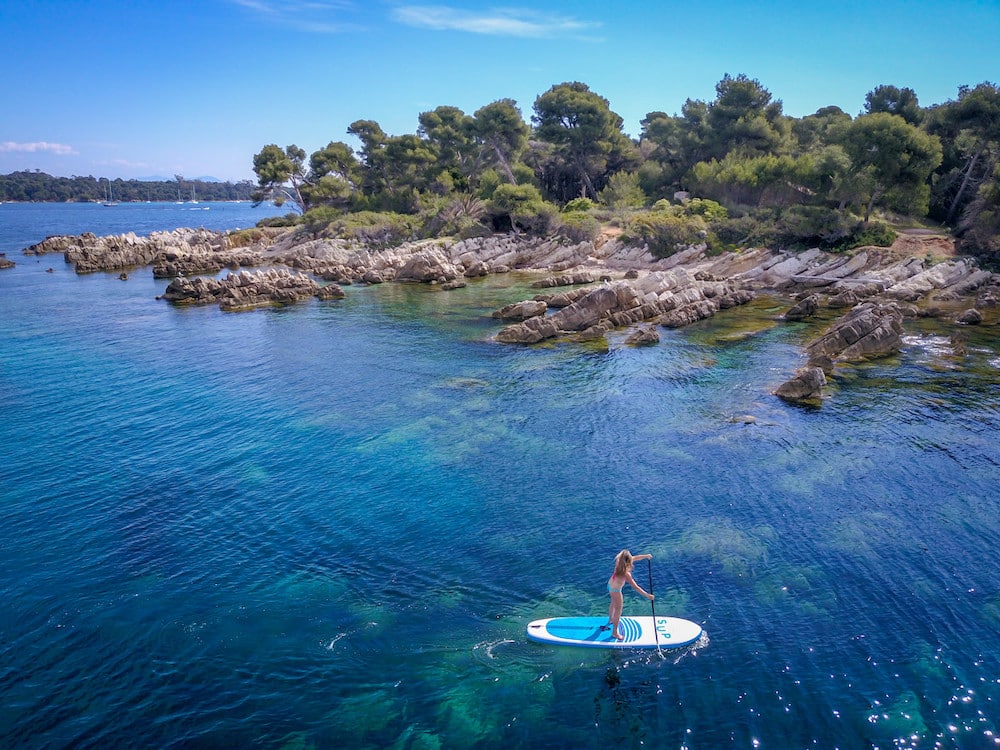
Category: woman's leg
[615,613]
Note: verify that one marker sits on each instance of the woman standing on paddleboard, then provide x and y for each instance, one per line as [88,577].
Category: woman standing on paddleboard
[622,575]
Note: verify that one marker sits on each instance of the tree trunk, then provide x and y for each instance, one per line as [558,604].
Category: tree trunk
[964,185]
[876,194]
[588,184]
[504,164]
[298,197]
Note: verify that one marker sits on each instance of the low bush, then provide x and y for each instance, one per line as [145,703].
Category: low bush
[873,233]
[737,232]
[580,226]
[577,205]
[664,232]
[376,229]
[288,220]
[801,227]
[245,237]
[318,220]
[522,206]
[711,210]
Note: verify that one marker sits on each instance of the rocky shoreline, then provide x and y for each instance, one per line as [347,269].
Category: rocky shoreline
[591,288]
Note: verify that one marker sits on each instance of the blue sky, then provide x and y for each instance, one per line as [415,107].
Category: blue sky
[157,88]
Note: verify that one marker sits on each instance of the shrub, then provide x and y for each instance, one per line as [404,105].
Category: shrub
[244,237]
[463,215]
[524,207]
[811,226]
[665,233]
[873,233]
[580,226]
[623,192]
[711,210]
[577,205]
[472,231]
[799,227]
[541,220]
[318,219]
[743,231]
[288,220]
[489,181]
[376,229]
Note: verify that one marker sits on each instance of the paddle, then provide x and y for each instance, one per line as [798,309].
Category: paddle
[652,606]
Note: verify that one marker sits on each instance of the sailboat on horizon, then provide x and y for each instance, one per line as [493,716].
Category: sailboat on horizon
[109,196]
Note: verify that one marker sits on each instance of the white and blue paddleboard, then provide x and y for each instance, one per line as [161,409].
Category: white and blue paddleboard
[595,632]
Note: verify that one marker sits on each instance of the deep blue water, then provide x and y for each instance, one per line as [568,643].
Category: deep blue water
[327,525]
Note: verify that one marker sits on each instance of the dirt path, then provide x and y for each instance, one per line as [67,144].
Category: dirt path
[922,242]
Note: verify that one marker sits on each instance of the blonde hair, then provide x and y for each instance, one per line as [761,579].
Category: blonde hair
[623,563]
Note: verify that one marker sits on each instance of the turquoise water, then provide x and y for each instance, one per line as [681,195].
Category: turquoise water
[328,525]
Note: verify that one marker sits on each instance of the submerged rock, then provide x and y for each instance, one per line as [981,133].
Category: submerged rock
[671,298]
[690,313]
[970,317]
[854,295]
[572,279]
[805,308]
[330,291]
[643,336]
[521,310]
[806,385]
[869,330]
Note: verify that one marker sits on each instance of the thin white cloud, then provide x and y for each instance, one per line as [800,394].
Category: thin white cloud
[122,163]
[519,22]
[317,16]
[38,146]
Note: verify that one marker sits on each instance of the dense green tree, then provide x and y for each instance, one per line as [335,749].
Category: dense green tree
[336,159]
[523,207]
[662,145]
[972,125]
[672,145]
[895,101]
[834,175]
[623,192]
[408,164]
[373,161]
[280,175]
[585,132]
[37,186]
[819,129]
[764,180]
[694,131]
[892,159]
[794,175]
[502,135]
[334,176]
[744,118]
[450,131]
[979,228]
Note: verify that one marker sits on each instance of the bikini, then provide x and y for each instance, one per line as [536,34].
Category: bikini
[615,590]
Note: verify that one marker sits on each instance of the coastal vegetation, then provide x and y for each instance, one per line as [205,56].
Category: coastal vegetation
[732,172]
[39,187]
